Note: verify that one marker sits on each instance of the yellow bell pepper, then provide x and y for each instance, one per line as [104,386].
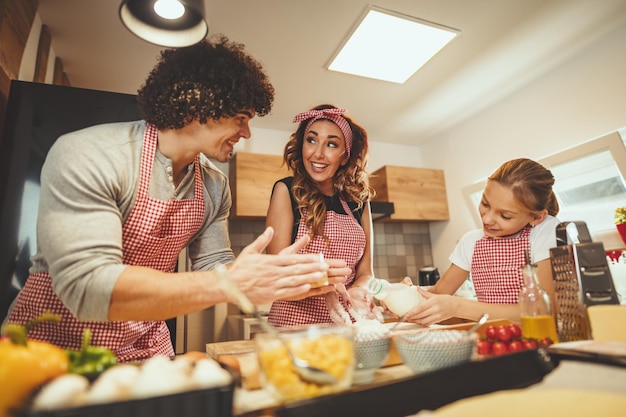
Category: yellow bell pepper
[26,364]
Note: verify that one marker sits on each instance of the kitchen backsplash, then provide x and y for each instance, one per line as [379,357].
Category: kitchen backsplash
[400,249]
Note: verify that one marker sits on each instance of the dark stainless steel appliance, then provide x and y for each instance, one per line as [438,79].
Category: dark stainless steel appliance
[37,114]
[428,275]
[581,277]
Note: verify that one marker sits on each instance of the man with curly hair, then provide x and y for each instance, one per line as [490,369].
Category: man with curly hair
[120,201]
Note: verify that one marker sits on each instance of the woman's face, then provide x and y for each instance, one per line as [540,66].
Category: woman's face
[323,152]
[501,212]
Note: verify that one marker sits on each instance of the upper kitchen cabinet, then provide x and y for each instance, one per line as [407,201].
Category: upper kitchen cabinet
[252,177]
[418,194]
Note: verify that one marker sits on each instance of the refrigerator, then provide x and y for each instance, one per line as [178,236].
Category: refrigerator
[37,114]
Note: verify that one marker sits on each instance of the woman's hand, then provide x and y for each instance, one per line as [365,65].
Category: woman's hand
[337,274]
[364,305]
[358,304]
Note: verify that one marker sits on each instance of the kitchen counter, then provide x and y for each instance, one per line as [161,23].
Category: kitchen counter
[259,402]
[395,391]
[568,376]
[572,389]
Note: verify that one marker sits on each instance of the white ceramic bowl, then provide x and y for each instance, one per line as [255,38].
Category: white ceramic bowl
[430,350]
[369,355]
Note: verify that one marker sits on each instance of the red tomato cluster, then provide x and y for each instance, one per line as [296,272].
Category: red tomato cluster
[507,338]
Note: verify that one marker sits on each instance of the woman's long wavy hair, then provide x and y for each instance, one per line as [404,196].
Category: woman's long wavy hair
[351,181]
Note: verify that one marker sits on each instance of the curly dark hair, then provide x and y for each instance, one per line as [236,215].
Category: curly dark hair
[351,181]
[209,80]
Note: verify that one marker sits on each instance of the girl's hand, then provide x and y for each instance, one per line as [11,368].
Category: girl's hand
[433,309]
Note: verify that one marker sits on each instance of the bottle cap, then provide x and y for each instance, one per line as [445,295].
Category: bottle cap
[375,286]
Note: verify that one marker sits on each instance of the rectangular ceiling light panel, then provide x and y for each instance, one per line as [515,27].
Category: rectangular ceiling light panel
[390,46]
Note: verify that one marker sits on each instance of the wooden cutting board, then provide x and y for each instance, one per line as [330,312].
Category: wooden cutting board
[235,347]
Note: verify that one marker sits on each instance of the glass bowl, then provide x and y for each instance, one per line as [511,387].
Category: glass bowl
[328,347]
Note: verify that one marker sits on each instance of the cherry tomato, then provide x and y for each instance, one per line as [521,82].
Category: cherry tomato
[530,344]
[516,346]
[491,332]
[499,348]
[545,342]
[516,331]
[503,333]
[483,347]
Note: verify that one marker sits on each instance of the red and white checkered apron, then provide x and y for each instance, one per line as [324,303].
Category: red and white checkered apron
[347,242]
[496,267]
[153,236]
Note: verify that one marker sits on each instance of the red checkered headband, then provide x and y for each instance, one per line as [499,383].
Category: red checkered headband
[334,115]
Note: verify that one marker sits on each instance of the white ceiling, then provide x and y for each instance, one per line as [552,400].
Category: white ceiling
[503,45]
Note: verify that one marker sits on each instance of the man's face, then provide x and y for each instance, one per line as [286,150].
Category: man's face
[220,136]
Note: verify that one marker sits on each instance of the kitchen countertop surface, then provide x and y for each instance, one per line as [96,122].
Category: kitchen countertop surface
[568,374]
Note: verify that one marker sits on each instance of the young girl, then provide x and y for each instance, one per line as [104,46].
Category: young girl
[517,211]
[327,199]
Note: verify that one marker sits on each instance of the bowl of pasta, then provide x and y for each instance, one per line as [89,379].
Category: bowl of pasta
[327,347]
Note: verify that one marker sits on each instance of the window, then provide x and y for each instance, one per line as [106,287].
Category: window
[590,183]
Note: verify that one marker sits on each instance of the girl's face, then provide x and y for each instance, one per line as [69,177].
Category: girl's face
[323,152]
[501,212]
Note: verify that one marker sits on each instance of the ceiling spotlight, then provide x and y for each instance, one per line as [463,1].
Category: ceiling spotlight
[171,23]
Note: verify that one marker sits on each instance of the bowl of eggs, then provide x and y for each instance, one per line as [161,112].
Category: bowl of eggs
[426,351]
[326,347]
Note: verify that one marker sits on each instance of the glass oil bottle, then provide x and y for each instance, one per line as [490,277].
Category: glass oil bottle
[537,319]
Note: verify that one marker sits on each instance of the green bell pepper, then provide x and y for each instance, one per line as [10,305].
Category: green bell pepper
[90,360]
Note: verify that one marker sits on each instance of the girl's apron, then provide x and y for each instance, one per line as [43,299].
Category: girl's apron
[496,267]
[152,236]
[347,242]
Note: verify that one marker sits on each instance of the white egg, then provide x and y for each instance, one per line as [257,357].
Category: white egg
[160,376]
[61,392]
[124,374]
[114,384]
[207,373]
[105,391]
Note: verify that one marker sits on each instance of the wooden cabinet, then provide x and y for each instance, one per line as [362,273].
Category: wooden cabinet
[416,193]
[252,177]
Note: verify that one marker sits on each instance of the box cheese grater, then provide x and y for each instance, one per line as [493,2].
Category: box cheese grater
[581,278]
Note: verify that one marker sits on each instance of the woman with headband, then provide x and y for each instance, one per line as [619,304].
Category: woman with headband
[328,199]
